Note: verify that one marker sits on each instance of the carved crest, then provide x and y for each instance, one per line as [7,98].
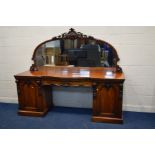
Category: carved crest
[72,34]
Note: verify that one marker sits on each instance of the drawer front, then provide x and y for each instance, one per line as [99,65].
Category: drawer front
[67,83]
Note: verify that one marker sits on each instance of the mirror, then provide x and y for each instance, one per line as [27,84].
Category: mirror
[75,49]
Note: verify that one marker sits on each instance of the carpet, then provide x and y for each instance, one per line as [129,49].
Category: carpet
[70,118]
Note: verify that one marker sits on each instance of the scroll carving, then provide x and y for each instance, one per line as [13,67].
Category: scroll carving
[33,68]
[121,91]
[72,34]
[18,88]
[95,89]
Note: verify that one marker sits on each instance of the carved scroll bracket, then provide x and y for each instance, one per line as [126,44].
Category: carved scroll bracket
[121,91]
[18,88]
[33,68]
[95,89]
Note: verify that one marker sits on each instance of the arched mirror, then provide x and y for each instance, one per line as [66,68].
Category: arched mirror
[75,49]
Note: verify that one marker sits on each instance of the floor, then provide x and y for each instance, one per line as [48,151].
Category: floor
[70,118]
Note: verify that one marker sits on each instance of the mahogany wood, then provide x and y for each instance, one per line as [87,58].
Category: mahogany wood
[34,86]
[35,97]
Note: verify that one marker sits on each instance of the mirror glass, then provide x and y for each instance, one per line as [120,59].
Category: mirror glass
[75,52]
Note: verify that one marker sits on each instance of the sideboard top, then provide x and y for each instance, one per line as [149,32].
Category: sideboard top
[74,72]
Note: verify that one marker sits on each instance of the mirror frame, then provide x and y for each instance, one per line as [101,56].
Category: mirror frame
[72,34]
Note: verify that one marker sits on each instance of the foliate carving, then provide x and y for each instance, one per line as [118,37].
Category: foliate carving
[39,87]
[18,88]
[120,91]
[17,81]
[95,89]
[72,34]
[38,83]
[28,82]
[107,85]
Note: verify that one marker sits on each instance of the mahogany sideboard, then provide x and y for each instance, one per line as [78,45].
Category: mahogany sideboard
[35,95]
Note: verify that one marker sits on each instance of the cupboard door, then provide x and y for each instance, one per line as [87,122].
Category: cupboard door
[28,95]
[108,100]
[34,99]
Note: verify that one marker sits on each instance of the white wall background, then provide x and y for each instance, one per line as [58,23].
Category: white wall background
[135,46]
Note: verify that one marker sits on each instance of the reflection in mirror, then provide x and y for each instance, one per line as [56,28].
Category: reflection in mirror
[74,52]
[74,48]
[52,50]
[106,56]
[47,53]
